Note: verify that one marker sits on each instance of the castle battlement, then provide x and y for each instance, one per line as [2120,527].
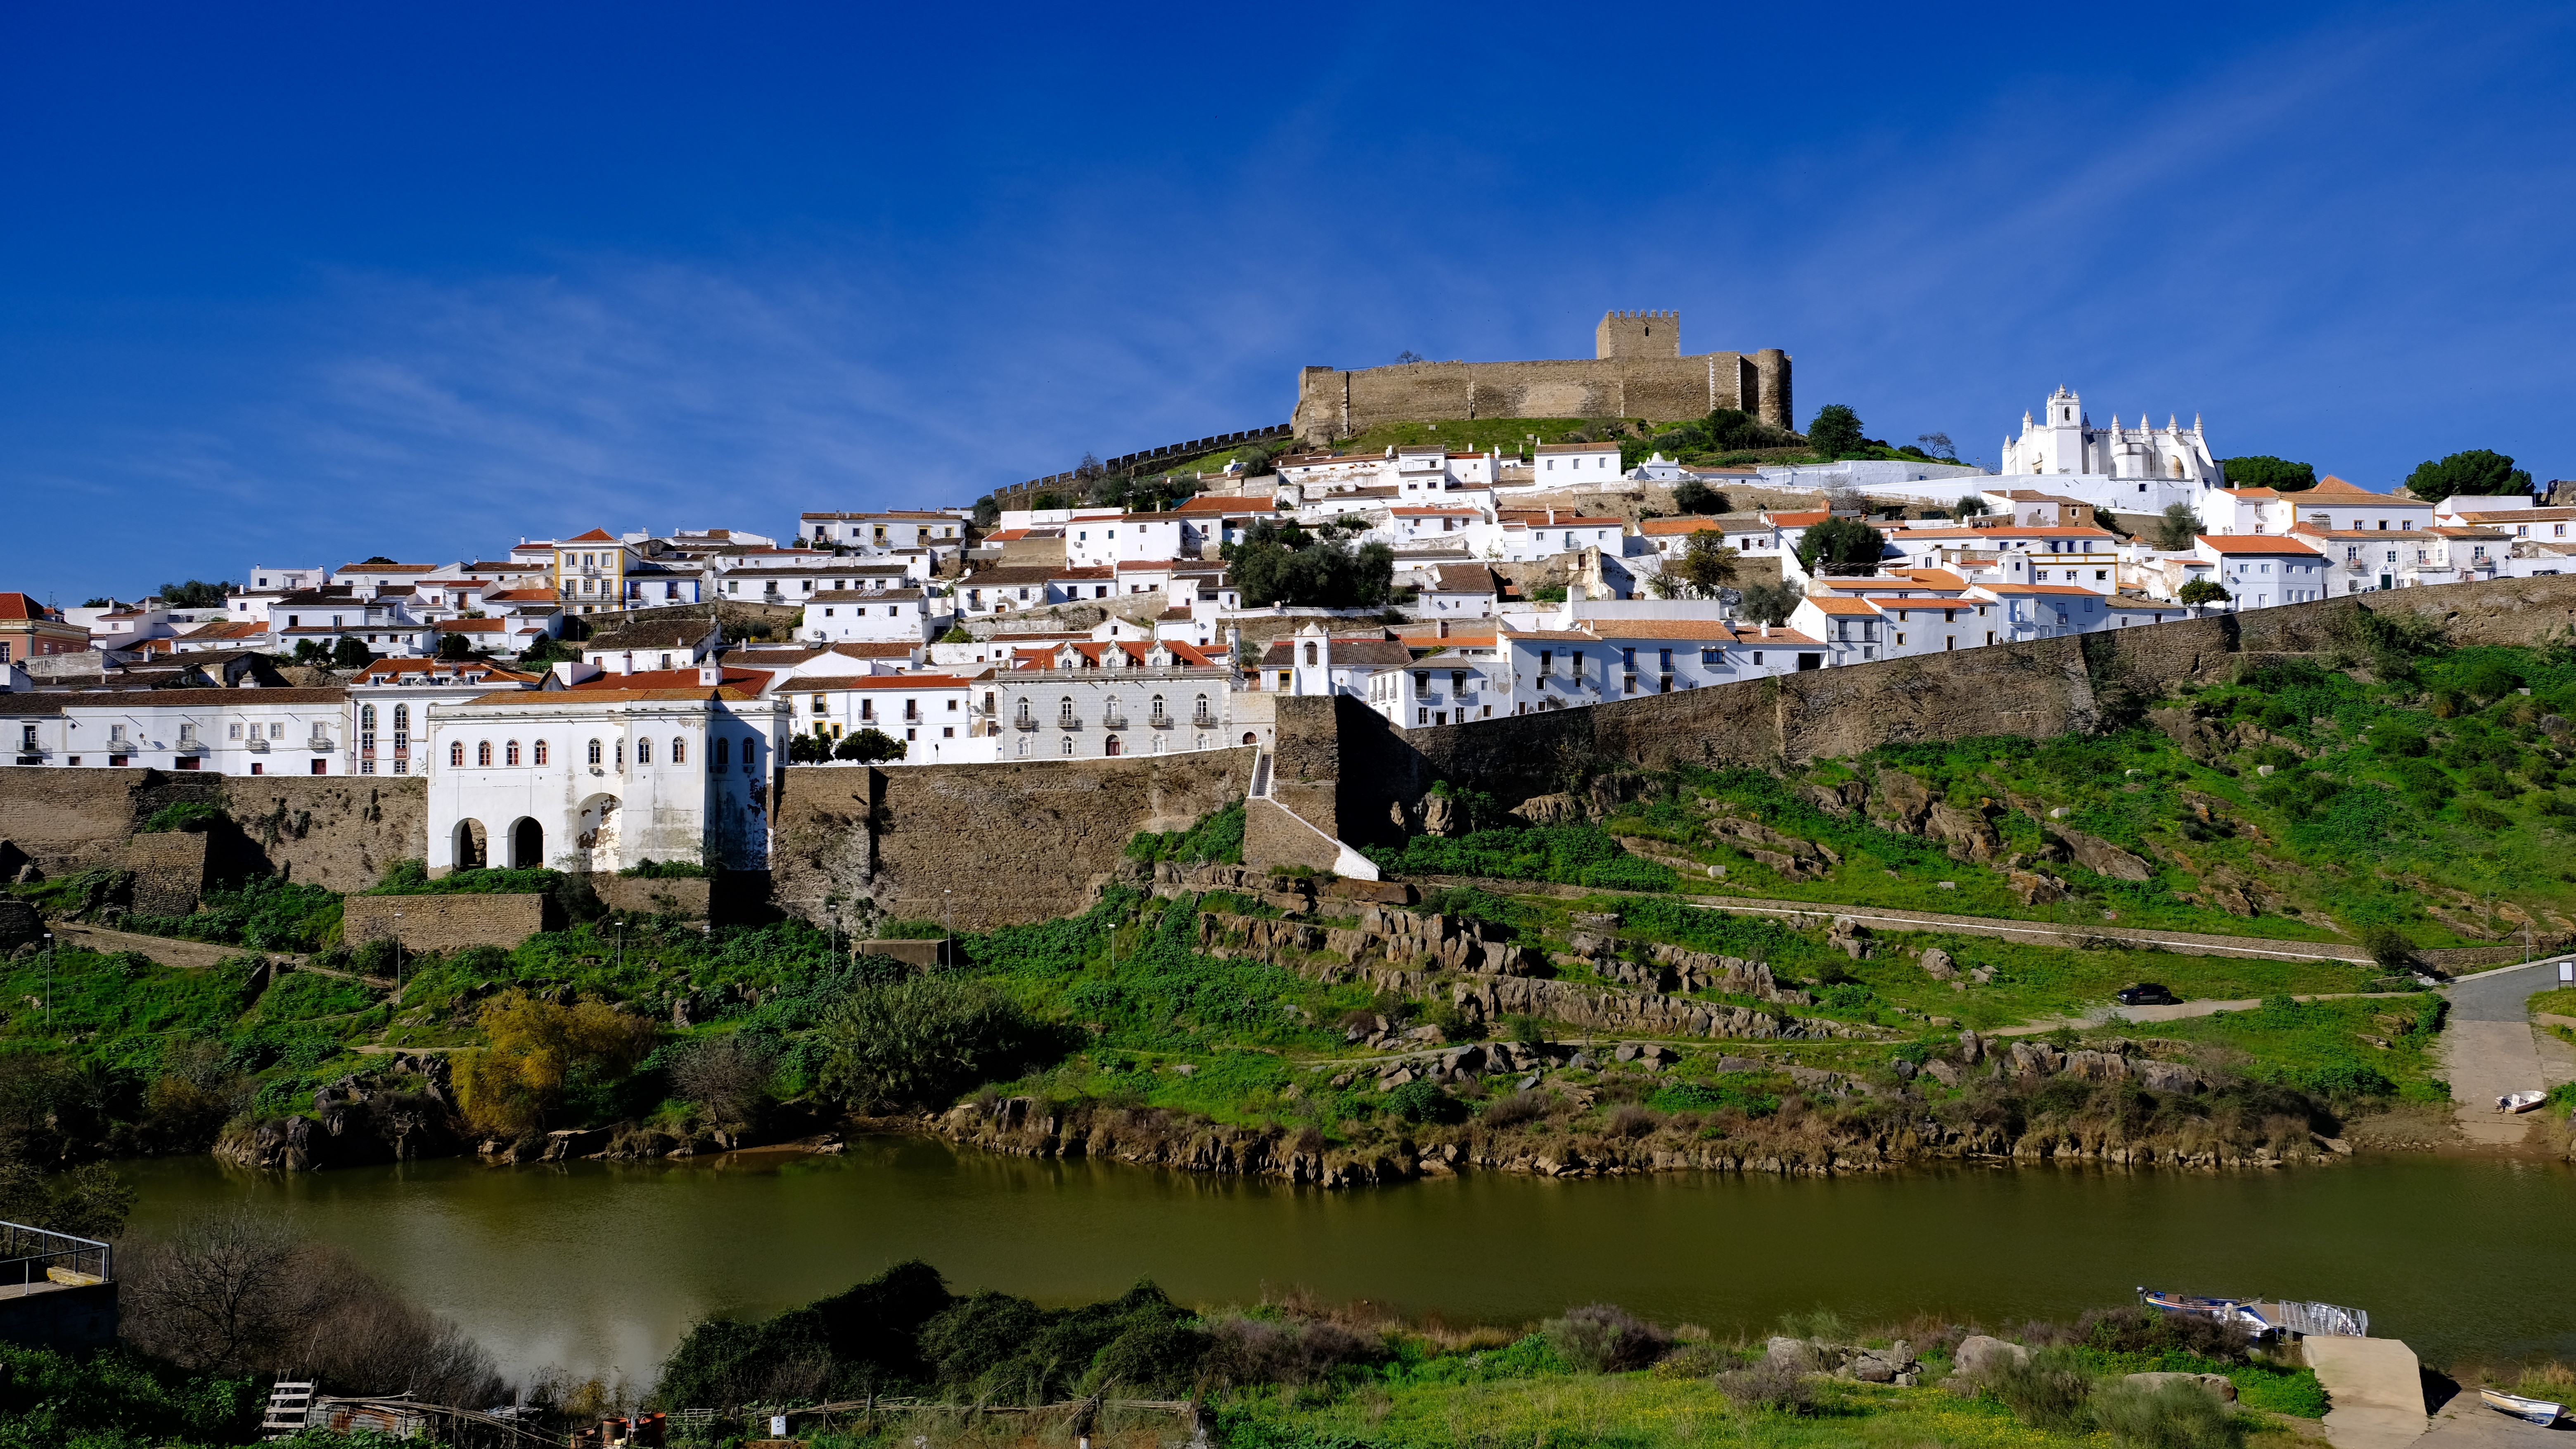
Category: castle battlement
[1638,371]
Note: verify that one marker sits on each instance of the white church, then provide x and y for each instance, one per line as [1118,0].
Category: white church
[2136,469]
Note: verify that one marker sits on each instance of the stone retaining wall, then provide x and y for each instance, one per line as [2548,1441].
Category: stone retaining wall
[169,871]
[1015,842]
[447,923]
[2036,690]
[683,896]
[340,832]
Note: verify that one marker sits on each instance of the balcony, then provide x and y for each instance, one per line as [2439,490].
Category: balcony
[1025,724]
[1113,721]
[256,744]
[1160,721]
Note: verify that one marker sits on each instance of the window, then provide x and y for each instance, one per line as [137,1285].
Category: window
[720,752]
[483,752]
[1064,711]
[510,753]
[750,752]
[187,734]
[1202,710]
[679,750]
[368,717]
[644,752]
[541,752]
[1310,654]
[1711,658]
[596,754]
[1067,746]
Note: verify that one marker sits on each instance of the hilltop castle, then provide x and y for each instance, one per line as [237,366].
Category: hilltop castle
[1637,370]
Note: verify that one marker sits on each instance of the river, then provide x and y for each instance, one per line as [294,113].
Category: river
[599,1267]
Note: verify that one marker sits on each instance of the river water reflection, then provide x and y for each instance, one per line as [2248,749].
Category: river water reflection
[599,1266]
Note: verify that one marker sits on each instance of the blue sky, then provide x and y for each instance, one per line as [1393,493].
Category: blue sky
[303,283]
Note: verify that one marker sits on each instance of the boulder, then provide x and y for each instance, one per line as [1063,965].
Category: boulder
[1788,1352]
[2165,1076]
[2219,1386]
[1901,800]
[2035,888]
[1967,833]
[1942,1072]
[1849,936]
[2102,857]
[1938,965]
[1972,1047]
[1815,1079]
[1549,809]
[1441,816]
[1977,1353]
[1739,1064]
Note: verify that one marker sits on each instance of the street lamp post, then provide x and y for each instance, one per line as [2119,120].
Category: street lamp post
[49,983]
[398,957]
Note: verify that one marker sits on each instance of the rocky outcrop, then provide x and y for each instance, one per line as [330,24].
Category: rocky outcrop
[1978,1353]
[1793,858]
[2102,857]
[1969,835]
[2217,1386]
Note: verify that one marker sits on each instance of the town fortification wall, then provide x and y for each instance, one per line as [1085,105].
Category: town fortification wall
[1333,403]
[335,831]
[1638,372]
[2037,690]
[447,923]
[1014,842]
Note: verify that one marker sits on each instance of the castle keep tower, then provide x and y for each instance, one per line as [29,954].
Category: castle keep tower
[1638,334]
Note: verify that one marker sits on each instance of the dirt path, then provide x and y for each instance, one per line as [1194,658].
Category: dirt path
[2139,1015]
[2184,942]
[195,955]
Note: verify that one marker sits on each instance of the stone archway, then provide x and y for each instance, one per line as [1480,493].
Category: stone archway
[1110,746]
[527,844]
[471,849]
[595,832]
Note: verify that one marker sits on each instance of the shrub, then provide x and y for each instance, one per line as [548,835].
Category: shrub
[537,1052]
[1514,1110]
[1602,1338]
[2387,945]
[1421,1100]
[2171,1416]
[1246,1351]
[1768,1385]
[188,815]
[2047,1392]
[919,1040]
[1631,1120]
[729,1076]
[869,746]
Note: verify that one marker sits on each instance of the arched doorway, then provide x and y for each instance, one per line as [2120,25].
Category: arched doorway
[527,845]
[595,832]
[1109,746]
[470,854]
[1250,738]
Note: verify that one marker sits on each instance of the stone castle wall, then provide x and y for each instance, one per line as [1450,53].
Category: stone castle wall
[1334,403]
[447,923]
[335,831]
[2037,690]
[1014,842]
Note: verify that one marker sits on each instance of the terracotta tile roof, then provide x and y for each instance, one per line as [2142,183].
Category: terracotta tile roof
[2331,486]
[1467,579]
[1578,447]
[197,698]
[596,535]
[1831,604]
[1661,527]
[810,684]
[2256,543]
[2001,530]
[22,606]
[684,680]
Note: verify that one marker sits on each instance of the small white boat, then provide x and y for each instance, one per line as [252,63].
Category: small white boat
[2520,1101]
[2537,1411]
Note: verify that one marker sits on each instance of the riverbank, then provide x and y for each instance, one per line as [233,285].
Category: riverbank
[600,1266]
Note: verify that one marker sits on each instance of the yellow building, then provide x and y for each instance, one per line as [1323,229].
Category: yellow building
[590,573]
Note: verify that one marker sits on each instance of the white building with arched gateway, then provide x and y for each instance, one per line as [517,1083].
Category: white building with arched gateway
[601,776]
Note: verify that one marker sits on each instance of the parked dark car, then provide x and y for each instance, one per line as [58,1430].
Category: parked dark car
[2147,993]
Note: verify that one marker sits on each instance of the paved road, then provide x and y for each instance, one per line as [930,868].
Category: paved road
[2491,1048]
[2375,1387]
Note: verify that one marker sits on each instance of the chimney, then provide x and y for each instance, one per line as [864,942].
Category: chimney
[710,675]
[626,662]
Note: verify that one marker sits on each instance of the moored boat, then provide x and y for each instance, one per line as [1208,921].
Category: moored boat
[2238,1310]
[2537,1411]
[2520,1101]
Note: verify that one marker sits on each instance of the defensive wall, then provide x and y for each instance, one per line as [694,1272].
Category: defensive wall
[1350,772]
[982,845]
[448,923]
[336,831]
[1333,403]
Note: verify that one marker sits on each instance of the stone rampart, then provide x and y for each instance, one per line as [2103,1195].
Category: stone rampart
[2037,690]
[335,831]
[1336,403]
[169,871]
[447,923]
[1014,842]
[675,896]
